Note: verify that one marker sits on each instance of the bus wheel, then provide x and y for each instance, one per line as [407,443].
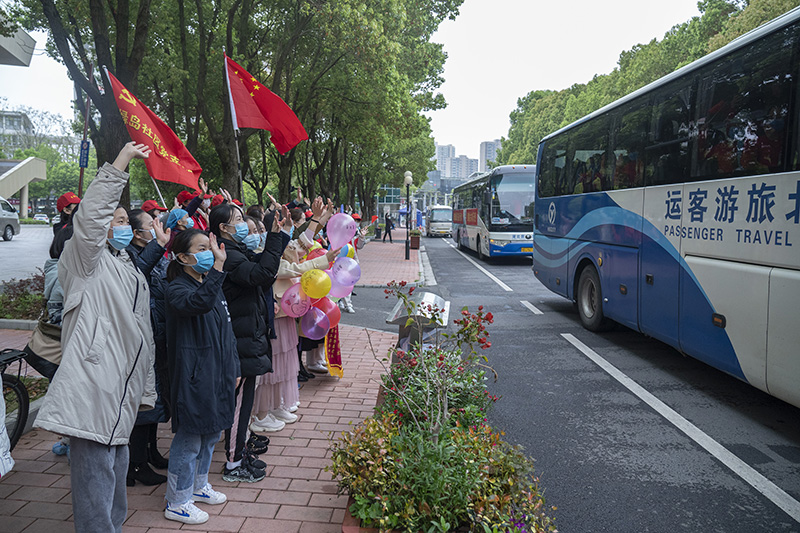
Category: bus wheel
[478,246]
[590,301]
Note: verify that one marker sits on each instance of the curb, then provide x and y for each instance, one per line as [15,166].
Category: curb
[11,323]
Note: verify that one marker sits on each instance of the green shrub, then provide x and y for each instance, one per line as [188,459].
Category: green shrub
[23,299]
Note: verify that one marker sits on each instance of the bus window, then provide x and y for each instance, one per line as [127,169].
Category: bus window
[553,167]
[590,170]
[743,110]
[671,133]
[627,141]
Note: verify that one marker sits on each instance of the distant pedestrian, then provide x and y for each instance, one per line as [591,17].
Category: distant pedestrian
[388,226]
[106,373]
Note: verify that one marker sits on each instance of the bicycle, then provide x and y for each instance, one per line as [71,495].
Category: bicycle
[15,395]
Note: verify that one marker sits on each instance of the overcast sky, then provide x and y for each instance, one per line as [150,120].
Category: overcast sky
[499,50]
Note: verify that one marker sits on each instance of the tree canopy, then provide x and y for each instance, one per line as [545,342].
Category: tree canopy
[542,112]
[358,73]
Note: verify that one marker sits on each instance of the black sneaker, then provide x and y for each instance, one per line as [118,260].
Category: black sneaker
[256,445]
[243,473]
[254,461]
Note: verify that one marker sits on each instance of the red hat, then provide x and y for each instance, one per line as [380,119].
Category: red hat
[356,216]
[185,196]
[149,205]
[66,199]
[207,196]
[238,202]
[216,200]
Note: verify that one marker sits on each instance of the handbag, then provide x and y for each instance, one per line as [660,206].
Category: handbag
[46,341]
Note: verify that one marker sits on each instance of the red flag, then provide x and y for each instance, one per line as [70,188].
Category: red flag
[255,106]
[170,160]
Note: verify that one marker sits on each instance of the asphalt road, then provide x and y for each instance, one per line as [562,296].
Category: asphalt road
[607,459]
[27,251]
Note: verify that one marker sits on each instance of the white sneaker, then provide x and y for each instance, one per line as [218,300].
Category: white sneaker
[266,425]
[350,309]
[188,513]
[283,415]
[293,409]
[209,495]
[318,368]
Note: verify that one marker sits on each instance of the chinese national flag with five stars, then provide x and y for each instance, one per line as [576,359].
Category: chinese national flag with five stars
[169,160]
[255,106]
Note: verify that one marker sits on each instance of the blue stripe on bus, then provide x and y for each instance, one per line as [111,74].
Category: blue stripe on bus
[713,346]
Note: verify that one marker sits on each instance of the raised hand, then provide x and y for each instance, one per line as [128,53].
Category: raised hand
[332,254]
[162,235]
[129,152]
[287,220]
[203,187]
[220,255]
[317,208]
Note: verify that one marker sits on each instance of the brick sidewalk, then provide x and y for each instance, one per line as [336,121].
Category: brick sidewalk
[382,262]
[297,496]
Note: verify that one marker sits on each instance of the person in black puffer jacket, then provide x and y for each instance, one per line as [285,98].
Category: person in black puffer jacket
[244,291]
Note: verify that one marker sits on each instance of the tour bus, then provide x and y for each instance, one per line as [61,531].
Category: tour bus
[493,212]
[439,220]
[676,209]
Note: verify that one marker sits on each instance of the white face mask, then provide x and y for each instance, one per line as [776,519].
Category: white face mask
[207,203]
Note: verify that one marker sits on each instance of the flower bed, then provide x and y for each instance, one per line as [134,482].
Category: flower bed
[427,460]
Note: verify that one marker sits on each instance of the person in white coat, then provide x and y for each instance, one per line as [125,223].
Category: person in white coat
[106,373]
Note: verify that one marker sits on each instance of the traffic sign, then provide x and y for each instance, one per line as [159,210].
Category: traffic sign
[84,157]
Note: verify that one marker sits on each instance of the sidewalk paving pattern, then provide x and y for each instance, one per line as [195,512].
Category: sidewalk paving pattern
[297,496]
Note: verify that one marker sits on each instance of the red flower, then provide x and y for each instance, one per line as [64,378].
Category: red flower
[480,308]
[489,317]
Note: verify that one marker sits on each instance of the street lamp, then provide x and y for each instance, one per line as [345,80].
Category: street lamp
[408,181]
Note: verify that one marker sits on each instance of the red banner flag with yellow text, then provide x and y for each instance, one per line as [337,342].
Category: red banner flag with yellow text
[255,106]
[170,160]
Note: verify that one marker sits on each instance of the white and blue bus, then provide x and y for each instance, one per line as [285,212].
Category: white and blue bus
[493,212]
[676,210]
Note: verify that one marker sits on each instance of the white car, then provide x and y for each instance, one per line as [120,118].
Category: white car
[42,218]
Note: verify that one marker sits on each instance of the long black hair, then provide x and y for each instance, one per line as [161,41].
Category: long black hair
[59,240]
[222,214]
[180,245]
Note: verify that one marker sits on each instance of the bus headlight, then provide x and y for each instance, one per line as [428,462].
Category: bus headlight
[498,242]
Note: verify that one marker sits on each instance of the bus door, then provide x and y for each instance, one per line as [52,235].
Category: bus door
[660,263]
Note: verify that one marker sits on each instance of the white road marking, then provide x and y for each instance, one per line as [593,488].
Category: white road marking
[476,265]
[532,308]
[763,485]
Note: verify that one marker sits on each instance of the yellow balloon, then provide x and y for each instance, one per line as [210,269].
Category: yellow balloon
[315,246]
[351,252]
[315,283]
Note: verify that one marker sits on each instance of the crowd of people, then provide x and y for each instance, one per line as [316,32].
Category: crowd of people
[173,315]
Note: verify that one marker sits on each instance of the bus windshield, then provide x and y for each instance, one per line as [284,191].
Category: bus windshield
[441,215]
[512,199]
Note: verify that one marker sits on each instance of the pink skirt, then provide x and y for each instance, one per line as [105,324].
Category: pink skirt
[285,366]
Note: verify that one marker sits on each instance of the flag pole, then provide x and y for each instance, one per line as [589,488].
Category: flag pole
[235,124]
[159,193]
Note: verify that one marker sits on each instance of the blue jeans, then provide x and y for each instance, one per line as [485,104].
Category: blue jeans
[99,497]
[189,461]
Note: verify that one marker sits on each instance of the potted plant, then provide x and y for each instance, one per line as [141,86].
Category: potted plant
[427,460]
[414,236]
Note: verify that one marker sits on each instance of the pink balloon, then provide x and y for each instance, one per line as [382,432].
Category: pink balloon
[345,271]
[341,228]
[331,310]
[339,291]
[315,324]
[294,301]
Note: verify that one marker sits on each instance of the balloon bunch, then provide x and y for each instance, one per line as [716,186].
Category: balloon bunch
[313,298]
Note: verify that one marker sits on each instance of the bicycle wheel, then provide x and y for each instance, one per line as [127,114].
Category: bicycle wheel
[17,404]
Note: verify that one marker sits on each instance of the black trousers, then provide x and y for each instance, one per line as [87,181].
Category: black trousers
[236,437]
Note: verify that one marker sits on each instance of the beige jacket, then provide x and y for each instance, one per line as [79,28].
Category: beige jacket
[106,373]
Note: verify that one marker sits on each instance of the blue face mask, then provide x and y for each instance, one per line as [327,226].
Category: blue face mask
[189,223]
[122,237]
[205,260]
[262,239]
[241,231]
[251,241]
